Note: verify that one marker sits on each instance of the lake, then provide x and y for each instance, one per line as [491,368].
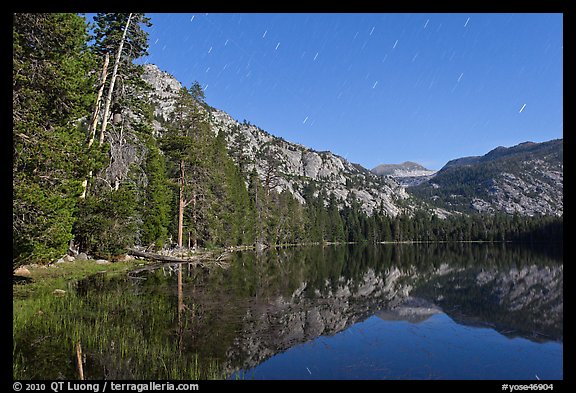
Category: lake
[404,311]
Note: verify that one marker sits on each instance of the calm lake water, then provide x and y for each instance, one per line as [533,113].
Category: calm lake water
[426,311]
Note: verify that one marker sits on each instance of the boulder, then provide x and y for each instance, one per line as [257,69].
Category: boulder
[72,249]
[60,261]
[102,262]
[22,271]
[82,256]
[68,258]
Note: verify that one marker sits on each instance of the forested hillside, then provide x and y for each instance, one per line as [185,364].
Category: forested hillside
[89,168]
[526,179]
[92,171]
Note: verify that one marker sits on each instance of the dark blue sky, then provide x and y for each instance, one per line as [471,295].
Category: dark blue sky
[376,88]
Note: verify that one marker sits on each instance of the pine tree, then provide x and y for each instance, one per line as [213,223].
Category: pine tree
[51,93]
[107,224]
[119,39]
[336,226]
[155,206]
[186,143]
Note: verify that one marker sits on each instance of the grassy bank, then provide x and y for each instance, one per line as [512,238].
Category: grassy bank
[123,334]
[44,279]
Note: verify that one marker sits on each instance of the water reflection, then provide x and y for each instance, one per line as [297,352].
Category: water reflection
[266,304]
[435,348]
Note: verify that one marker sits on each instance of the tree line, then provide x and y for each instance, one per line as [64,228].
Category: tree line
[90,168]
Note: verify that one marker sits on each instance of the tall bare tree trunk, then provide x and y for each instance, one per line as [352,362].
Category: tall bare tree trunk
[181,205]
[85,186]
[112,81]
[94,121]
[180,217]
[194,220]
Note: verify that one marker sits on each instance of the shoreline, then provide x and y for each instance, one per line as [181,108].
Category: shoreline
[51,275]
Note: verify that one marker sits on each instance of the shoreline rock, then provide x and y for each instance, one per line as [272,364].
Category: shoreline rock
[22,271]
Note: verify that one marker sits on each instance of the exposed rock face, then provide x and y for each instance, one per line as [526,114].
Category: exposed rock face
[526,302]
[538,288]
[411,181]
[407,174]
[291,165]
[274,327]
[525,179]
[526,193]
[295,165]
[165,87]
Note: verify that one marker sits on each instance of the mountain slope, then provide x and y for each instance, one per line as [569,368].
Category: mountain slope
[407,174]
[525,179]
[407,168]
[283,165]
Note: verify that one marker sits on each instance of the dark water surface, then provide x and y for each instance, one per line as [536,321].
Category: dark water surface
[437,348]
[462,311]
[422,311]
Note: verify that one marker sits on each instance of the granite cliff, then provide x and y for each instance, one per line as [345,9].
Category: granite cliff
[281,164]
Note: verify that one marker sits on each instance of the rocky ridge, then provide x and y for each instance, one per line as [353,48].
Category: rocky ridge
[405,169]
[292,166]
[525,302]
[407,174]
[526,179]
[519,306]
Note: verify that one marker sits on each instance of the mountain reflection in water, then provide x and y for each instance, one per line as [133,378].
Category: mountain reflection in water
[265,307]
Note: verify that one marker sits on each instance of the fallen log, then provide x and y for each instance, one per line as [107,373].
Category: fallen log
[152,268]
[196,259]
[159,257]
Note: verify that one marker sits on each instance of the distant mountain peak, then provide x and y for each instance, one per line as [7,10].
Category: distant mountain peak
[395,169]
[280,164]
[412,164]
[408,173]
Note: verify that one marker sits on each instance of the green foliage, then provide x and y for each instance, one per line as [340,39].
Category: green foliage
[108,31]
[228,196]
[155,208]
[51,91]
[461,181]
[136,200]
[43,221]
[119,329]
[186,144]
[107,223]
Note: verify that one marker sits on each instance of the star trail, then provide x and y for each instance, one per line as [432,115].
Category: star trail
[381,88]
